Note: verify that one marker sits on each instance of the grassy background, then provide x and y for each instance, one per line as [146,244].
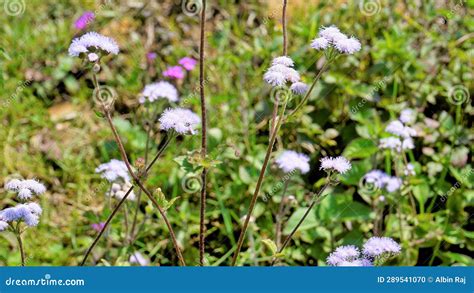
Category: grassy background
[412,56]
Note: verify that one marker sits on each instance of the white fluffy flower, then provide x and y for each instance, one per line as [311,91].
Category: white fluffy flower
[183,121]
[396,127]
[320,43]
[299,88]
[393,143]
[93,40]
[347,45]
[407,144]
[377,246]
[114,170]
[339,164]
[157,90]
[119,190]
[278,74]
[410,170]
[331,33]
[25,188]
[381,180]
[407,116]
[283,60]
[291,160]
[392,184]
[346,253]
[274,78]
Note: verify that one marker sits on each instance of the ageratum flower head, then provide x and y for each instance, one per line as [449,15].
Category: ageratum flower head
[381,180]
[347,253]
[332,36]
[183,121]
[281,72]
[29,213]
[291,160]
[397,128]
[339,164]
[159,90]
[93,42]
[119,190]
[376,246]
[299,88]
[113,171]
[407,116]
[25,188]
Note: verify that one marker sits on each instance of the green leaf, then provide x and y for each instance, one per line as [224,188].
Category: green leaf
[309,222]
[270,245]
[360,148]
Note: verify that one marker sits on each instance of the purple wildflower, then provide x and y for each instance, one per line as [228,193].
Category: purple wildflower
[98,226]
[83,20]
[188,63]
[150,56]
[174,72]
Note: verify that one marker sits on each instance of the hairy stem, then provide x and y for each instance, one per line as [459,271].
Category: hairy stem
[316,199]
[136,179]
[259,182]
[202,216]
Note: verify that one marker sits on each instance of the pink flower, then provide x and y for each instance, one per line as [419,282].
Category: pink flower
[174,72]
[98,226]
[82,22]
[150,56]
[188,63]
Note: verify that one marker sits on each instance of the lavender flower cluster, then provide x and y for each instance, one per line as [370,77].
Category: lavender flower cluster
[403,134]
[374,251]
[28,213]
